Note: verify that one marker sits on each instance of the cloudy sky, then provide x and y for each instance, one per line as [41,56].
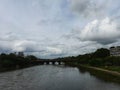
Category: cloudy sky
[58,28]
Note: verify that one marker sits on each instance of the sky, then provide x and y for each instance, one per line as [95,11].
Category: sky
[58,28]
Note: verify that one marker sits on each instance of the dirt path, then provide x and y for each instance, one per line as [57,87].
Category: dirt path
[104,70]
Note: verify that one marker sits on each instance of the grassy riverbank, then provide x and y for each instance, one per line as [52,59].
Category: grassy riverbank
[103,74]
[112,68]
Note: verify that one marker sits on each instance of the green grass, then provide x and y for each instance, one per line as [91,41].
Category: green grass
[112,68]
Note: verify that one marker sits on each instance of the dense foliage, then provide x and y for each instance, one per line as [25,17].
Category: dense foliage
[100,57]
[12,60]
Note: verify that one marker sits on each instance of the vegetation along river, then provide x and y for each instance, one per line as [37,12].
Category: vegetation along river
[48,77]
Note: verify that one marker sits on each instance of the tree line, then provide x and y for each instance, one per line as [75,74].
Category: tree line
[12,60]
[101,57]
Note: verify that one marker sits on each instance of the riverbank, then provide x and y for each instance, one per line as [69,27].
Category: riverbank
[98,68]
[104,74]
[112,68]
[104,70]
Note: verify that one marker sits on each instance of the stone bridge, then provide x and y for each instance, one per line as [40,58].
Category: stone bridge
[47,62]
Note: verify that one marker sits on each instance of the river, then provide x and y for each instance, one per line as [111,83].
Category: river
[48,77]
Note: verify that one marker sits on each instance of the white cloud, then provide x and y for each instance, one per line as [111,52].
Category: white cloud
[54,50]
[102,31]
[39,27]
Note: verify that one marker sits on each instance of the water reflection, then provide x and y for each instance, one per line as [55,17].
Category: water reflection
[48,77]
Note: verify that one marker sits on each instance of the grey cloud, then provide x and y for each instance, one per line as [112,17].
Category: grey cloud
[8,37]
[98,32]
[49,50]
[41,48]
[103,26]
[90,8]
[102,31]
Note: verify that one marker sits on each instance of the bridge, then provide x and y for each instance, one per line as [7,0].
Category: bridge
[53,62]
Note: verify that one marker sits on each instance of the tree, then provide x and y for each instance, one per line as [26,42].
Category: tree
[31,57]
[101,53]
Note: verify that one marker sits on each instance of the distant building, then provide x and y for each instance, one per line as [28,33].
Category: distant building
[115,51]
[21,54]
